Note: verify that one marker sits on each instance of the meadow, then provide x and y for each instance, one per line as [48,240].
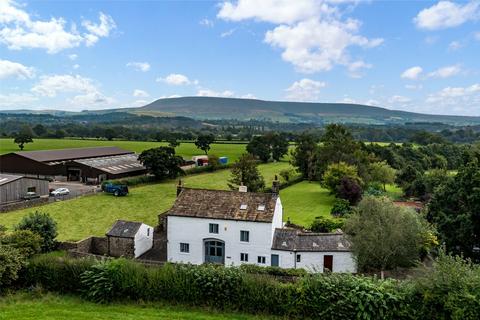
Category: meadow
[22,306]
[185,149]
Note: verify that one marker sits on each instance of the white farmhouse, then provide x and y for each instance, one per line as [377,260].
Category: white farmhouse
[238,227]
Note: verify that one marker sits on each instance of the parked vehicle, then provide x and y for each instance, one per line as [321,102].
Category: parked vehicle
[115,189]
[31,195]
[60,192]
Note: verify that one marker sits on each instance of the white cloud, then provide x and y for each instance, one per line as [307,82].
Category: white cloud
[477,35]
[139,66]
[445,72]
[227,33]
[355,68]
[206,23]
[140,93]
[90,100]
[456,100]
[454,45]
[50,86]
[414,87]
[212,93]
[18,30]
[446,14]
[176,79]
[412,73]
[248,96]
[17,101]
[15,69]
[397,99]
[76,66]
[73,56]
[305,90]
[310,33]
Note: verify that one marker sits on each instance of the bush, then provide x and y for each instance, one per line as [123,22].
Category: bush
[322,224]
[26,241]
[11,262]
[273,271]
[42,224]
[340,208]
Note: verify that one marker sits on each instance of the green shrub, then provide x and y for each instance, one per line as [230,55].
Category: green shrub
[26,241]
[340,208]
[11,262]
[98,282]
[323,224]
[273,271]
[42,224]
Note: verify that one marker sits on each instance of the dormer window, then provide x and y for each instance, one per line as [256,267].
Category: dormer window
[261,207]
[243,207]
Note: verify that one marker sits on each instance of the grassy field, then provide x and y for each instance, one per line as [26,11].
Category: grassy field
[186,150]
[23,306]
[93,215]
[304,201]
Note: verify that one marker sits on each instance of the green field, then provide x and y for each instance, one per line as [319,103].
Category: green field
[22,306]
[304,201]
[93,215]
[185,149]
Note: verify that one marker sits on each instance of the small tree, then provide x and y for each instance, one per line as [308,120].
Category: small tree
[204,141]
[335,173]
[24,136]
[162,162]
[245,172]
[381,172]
[172,141]
[26,241]
[340,208]
[11,262]
[43,225]
[350,190]
[286,174]
[110,134]
[213,162]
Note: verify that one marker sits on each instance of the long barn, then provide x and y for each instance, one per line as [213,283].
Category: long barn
[91,165]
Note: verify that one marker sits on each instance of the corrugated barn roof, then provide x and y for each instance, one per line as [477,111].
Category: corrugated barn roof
[72,154]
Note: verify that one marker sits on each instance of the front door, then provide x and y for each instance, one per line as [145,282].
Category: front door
[327,263]
[274,260]
[214,251]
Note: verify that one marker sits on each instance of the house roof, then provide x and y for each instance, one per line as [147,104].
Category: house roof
[124,229]
[114,164]
[7,178]
[295,240]
[71,154]
[226,205]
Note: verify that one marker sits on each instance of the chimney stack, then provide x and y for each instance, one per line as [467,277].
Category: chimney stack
[179,187]
[275,186]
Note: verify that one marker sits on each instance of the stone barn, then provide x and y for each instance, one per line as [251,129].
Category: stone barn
[129,239]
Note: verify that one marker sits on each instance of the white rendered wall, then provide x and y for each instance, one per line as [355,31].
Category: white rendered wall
[143,240]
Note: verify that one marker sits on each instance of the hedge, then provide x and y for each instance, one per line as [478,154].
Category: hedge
[435,295]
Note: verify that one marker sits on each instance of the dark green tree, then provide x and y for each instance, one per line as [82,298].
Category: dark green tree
[39,130]
[260,147]
[304,155]
[245,172]
[162,162]
[204,141]
[43,225]
[110,134]
[24,136]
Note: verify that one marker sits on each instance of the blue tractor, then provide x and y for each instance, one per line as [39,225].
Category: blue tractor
[115,189]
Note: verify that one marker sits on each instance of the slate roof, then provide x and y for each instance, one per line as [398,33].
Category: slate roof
[114,164]
[226,205]
[124,229]
[71,154]
[7,178]
[294,240]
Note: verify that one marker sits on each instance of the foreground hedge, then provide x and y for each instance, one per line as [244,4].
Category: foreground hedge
[329,296]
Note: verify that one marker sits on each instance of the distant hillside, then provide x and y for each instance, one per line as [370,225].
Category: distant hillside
[244,109]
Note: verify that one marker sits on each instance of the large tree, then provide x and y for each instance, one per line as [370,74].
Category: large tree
[336,172]
[304,155]
[245,172]
[385,236]
[382,173]
[455,210]
[204,141]
[24,136]
[270,145]
[162,162]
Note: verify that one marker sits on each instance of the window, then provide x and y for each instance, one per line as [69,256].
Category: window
[261,260]
[31,189]
[148,232]
[184,247]
[244,257]
[213,227]
[243,207]
[244,235]
[299,258]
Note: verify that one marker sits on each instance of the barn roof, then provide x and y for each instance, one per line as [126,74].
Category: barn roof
[295,240]
[7,178]
[71,154]
[114,164]
[124,229]
[226,205]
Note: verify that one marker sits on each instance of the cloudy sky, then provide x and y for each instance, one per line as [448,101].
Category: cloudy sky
[421,56]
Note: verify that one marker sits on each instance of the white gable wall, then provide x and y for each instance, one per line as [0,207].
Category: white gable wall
[143,240]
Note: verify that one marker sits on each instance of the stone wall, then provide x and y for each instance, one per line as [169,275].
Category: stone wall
[93,245]
[121,247]
[23,204]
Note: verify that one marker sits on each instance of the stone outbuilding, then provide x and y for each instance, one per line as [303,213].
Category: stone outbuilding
[129,239]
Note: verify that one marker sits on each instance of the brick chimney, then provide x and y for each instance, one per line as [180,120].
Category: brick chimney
[275,186]
[179,187]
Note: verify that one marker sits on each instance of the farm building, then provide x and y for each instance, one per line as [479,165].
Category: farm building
[240,227]
[14,188]
[80,164]
[129,239]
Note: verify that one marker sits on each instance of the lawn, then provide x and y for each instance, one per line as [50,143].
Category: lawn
[186,149]
[22,306]
[394,191]
[304,201]
[93,215]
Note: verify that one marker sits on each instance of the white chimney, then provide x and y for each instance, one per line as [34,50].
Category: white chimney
[242,189]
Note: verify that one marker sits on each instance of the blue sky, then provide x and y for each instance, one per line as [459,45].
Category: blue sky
[420,56]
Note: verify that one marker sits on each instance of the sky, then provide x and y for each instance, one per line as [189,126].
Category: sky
[419,56]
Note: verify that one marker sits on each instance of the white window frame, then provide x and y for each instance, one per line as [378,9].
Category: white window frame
[243,257]
[244,232]
[212,227]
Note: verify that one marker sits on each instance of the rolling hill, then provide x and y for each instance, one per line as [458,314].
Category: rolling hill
[245,109]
